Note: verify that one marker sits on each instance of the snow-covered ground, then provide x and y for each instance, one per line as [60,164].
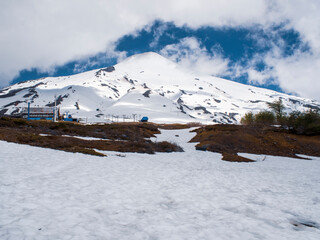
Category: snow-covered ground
[49,194]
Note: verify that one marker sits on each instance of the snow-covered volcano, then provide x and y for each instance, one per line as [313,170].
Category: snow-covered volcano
[146,85]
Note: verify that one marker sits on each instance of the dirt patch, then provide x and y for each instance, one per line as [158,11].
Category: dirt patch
[232,139]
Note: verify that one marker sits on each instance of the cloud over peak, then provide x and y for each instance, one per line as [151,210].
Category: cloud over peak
[44,34]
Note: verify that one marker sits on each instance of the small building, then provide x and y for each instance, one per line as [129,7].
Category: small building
[39,113]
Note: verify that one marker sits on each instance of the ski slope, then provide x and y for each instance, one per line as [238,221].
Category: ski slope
[49,194]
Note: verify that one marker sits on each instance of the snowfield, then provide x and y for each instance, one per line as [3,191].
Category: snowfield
[49,194]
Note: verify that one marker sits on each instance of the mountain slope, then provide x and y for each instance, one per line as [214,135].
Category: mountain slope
[146,84]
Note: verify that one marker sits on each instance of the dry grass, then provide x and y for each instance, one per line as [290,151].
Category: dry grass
[121,137]
[234,158]
[231,139]
[114,131]
[178,126]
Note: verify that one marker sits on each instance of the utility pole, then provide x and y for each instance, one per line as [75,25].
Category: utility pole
[28,111]
[55,109]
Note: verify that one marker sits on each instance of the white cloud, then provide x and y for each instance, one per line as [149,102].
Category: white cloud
[191,55]
[303,16]
[52,32]
[298,74]
[258,77]
[89,63]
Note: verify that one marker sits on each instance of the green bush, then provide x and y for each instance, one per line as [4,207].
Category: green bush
[307,123]
[304,122]
[312,129]
[265,117]
[248,119]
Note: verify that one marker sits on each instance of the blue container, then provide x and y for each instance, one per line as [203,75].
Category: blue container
[144,119]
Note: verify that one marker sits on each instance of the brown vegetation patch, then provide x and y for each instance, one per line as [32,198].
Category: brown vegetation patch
[177,126]
[234,158]
[119,137]
[116,131]
[232,139]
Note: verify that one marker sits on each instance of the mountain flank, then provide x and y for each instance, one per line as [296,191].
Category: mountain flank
[146,85]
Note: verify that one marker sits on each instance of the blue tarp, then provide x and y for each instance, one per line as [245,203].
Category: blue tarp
[144,119]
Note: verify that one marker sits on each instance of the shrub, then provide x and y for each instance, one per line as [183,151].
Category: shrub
[304,122]
[248,119]
[20,121]
[312,129]
[307,123]
[167,147]
[265,117]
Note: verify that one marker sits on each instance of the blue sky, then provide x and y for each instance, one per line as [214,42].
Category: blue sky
[238,45]
[271,44]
